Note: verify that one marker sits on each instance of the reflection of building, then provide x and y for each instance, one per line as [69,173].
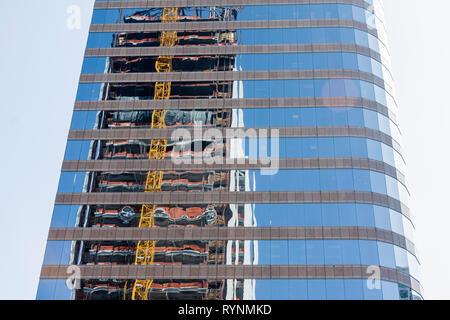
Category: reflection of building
[140,226]
[162,252]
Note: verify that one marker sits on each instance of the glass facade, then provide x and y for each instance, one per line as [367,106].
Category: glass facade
[237,152]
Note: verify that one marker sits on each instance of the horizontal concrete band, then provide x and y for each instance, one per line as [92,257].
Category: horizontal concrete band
[242,164]
[221,76]
[229,50]
[238,233]
[232,25]
[138,4]
[222,272]
[275,132]
[201,104]
[225,197]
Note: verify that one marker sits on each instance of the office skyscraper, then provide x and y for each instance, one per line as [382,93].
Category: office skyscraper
[239,149]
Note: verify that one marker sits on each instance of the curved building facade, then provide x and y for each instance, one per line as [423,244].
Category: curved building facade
[247,150]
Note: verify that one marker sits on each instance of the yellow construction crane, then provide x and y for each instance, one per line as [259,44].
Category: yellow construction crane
[145,251]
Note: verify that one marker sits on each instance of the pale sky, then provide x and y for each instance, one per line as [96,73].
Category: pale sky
[41,65]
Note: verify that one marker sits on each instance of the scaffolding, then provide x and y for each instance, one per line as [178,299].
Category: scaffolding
[145,251]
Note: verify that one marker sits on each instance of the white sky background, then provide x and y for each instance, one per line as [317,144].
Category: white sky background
[40,67]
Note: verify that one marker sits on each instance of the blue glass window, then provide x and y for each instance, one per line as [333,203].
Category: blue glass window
[53,289]
[64,216]
[71,182]
[78,150]
[83,120]
[57,252]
